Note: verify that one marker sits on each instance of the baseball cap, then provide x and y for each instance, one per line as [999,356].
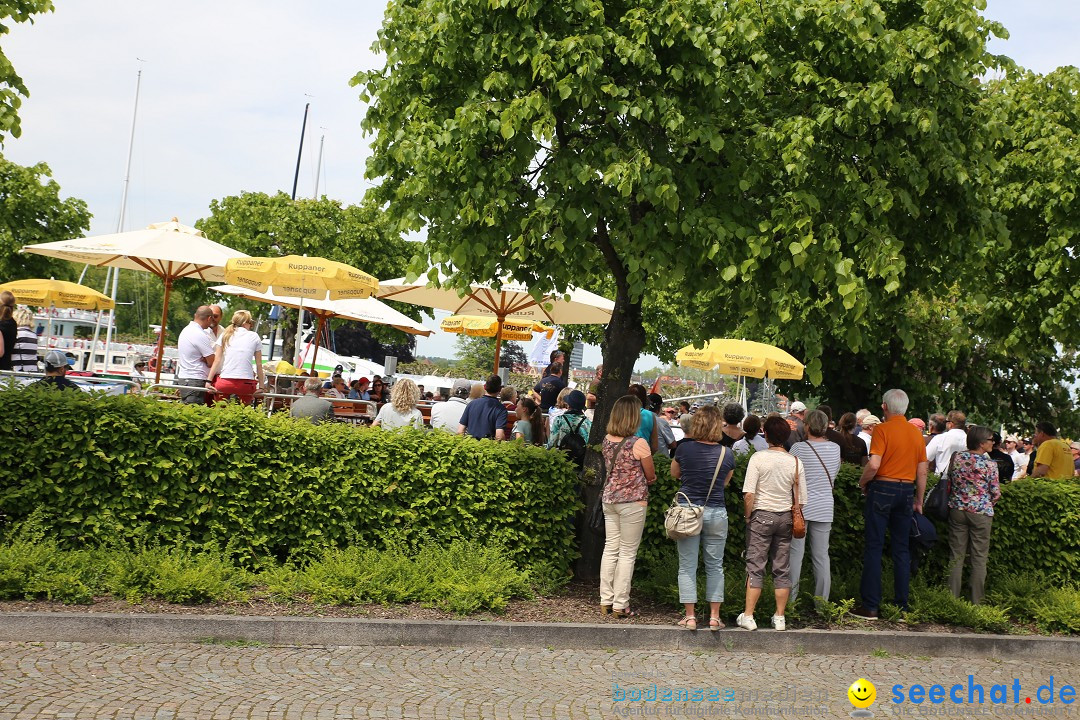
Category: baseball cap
[870,421]
[57,359]
[1075,445]
[797,407]
[575,400]
[461,388]
[918,422]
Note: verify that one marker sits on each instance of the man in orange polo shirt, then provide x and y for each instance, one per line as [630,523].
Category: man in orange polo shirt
[893,481]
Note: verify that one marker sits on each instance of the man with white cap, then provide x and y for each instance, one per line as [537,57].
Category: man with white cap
[447,415]
[869,422]
[56,365]
[796,420]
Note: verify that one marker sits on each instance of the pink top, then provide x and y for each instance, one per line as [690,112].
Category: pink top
[626,477]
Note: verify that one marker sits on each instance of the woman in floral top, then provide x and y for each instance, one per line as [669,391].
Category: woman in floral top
[973,492]
[630,471]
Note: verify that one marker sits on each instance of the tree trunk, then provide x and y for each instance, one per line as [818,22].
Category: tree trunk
[624,339]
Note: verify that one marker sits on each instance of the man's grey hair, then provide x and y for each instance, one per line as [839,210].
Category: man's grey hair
[312,385]
[896,401]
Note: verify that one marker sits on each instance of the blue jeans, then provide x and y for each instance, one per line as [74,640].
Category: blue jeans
[889,506]
[713,537]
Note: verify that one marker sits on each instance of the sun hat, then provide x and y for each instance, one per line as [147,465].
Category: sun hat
[575,400]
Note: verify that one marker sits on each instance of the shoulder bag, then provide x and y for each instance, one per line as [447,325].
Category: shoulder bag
[832,486]
[936,502]
[798,522]
[596,517]
[684,521]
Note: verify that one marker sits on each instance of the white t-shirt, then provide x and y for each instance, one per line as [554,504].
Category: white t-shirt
[1020,463]
[390,418]
[866,438]
[769,475]
[236,363]
[193,346]
[447,415]
[944,446]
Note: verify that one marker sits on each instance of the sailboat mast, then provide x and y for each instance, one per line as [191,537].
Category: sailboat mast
[120,223]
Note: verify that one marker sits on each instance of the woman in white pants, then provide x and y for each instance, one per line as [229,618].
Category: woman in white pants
[820,459]
[630,471]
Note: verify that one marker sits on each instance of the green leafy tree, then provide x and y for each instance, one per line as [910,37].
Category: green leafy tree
[12,87]
[785,165]
[360,235]
[479,353]
[31,212]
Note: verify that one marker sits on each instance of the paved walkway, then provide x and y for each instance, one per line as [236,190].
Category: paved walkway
[217,682]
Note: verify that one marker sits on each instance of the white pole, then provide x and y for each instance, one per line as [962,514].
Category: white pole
[120,224]
[318,167]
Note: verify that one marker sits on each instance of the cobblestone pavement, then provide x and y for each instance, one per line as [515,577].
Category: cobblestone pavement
[216,682]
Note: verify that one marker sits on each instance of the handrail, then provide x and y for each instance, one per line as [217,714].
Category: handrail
[74,378]
[172,386]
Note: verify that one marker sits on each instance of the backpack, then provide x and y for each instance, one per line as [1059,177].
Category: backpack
[575,445]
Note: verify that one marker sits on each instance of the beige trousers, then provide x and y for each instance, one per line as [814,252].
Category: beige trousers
[623,525]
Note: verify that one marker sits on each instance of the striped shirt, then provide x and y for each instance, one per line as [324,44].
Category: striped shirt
[24,354]
[819,480]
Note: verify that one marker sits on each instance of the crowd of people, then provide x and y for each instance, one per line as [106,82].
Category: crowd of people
[792,473]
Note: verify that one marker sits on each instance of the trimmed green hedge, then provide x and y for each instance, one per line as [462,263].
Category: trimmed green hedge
[103,469]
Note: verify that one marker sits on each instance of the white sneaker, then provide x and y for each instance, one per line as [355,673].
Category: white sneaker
[779,623]
[746,623]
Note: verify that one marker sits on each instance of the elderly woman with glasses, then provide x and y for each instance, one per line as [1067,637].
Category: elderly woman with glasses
[973,489]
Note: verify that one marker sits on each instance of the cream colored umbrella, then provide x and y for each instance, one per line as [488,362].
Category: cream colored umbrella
[169,250]
[511,301]
[368,310]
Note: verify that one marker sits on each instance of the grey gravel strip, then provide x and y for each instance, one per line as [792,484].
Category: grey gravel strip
[297,631]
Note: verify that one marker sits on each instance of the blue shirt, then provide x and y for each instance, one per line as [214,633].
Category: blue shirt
[549,389]
[697,461]
[648,421]
[483,416]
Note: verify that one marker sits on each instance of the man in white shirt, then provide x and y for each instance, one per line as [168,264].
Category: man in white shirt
[447,415]
[941,448]
[1020,460]
[869,422]
[214,328]
[196,351]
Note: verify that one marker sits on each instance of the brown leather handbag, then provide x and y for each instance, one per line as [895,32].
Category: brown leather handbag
[798,522]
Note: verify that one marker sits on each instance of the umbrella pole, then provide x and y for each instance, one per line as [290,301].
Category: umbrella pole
[498,345]
[161,333]
[318,336]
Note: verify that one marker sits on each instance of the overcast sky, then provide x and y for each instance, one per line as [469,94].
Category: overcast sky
[223,91]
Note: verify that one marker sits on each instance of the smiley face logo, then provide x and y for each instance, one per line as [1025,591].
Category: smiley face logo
[862,694]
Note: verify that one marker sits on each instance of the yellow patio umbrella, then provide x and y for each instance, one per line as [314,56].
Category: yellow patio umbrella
[305,278]
[509,329]
[57,293]
[741,357]
[310,278]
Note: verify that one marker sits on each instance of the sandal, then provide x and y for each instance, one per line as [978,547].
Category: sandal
[688,623]
[624,613]
[715,624]
[605,609]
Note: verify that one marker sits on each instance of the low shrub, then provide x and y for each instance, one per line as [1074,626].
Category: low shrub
[937,605]
[461,578]
[176,575]
[120,469]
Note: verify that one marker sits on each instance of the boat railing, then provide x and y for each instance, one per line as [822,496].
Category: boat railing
[129,385]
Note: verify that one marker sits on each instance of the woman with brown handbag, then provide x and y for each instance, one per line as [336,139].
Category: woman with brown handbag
[773,492]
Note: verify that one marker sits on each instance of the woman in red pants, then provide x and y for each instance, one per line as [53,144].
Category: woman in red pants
[233,372]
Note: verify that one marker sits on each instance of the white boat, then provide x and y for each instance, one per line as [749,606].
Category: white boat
[71,332]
